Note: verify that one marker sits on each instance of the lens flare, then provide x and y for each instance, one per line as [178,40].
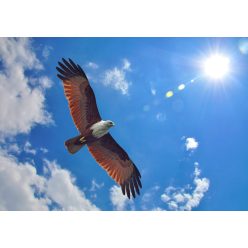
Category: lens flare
[169,94]
[181,87]
[243,46]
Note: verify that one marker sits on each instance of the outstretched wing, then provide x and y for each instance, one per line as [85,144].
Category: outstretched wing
[80,96]
[116,162]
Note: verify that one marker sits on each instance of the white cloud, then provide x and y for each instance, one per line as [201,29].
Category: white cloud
[46,51]
[95,185]
[44,150]
[61,188]
[22,102]
[153,91]
[116,77]
[165,197]
[179,198]
[157,209]
[148,198]
[191,144]
[126,65]
[202,186]
[21,188]
[92,65]
[22,105]
[15,148]
[173,205]
[197,171]
[28,148]
[186,198]
[20,185]
[161,116]
[11,148]
[42,81]
[118,200]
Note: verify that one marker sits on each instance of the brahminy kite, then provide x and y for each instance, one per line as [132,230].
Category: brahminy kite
[94,132]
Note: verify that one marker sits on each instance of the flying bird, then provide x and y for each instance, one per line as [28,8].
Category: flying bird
[94,132]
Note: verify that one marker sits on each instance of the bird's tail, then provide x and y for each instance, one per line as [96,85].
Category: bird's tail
[75,144]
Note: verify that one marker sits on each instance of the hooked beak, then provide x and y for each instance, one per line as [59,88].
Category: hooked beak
[113,124]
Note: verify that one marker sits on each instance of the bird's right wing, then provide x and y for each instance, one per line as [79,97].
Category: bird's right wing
[116,162]
[80,96]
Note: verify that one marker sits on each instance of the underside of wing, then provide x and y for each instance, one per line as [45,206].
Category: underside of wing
[118,165]
[80,96]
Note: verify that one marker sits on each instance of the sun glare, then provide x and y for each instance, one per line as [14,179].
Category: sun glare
[216,66]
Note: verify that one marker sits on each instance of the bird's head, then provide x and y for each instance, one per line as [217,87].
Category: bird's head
[109,123]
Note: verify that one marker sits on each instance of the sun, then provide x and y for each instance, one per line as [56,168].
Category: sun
[217,66]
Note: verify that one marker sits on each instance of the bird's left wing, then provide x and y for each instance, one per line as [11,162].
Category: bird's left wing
[80,96]
[117,163]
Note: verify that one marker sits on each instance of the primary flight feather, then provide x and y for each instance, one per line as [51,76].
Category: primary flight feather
[94,131]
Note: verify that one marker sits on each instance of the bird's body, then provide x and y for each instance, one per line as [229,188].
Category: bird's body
[91,134]
[94,132]
[101,128]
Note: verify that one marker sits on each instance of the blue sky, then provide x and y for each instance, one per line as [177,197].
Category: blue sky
[190,148]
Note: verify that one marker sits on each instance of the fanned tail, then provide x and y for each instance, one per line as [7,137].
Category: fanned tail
[75,144]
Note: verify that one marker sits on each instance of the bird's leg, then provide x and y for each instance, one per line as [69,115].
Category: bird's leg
[82,140]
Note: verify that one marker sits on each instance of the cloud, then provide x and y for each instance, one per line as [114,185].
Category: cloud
[186,198]
[95,185]
[147,200]
[191,144]
[11,148]
[61,188]
[17,148]
[22,188]
[118,200]
[42,81]
[44,150]
[22,106]
[116,77]
[165,197]
[28,148]
[126,65]
[22,102]
[153,91]
[161,116]
[46,51]
[157,209]
[92,65]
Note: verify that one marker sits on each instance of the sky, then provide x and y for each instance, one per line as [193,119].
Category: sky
[189,144]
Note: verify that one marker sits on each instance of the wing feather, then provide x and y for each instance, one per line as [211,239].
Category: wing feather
[132,186]
[117,163]
[79,94]
[127,189]
[69,66]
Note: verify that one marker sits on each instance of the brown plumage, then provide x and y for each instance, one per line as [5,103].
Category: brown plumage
[83,108]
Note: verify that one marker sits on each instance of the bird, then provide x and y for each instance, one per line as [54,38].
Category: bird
[94,131]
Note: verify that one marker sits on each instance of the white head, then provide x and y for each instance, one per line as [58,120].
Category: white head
[109,123]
